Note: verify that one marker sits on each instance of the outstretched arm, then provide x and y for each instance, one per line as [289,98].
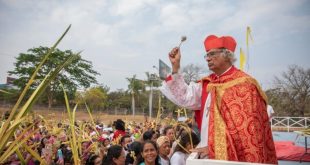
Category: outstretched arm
[175,88]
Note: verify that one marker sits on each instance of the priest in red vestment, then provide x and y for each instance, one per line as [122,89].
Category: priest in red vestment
[230,107]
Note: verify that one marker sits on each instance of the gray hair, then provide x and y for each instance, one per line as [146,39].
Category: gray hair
[229,55]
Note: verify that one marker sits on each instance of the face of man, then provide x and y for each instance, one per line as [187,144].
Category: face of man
[164,149]
[127,141]
[154,137]
[170,134]
[121,159]
[217,62]
[106,142]
[98,161]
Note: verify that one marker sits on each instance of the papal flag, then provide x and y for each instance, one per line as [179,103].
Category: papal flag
[164,70]
[242,59]
[248,36]
[248,39]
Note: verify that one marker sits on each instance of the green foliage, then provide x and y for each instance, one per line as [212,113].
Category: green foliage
[94,97]
[135,85]
[78,74]
[152,79]
[9,96]
[118,99]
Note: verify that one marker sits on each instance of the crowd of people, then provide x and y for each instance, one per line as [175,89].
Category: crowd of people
[121,143]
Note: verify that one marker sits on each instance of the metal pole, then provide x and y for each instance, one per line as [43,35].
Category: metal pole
[159,109]
[133,106]
[151,100]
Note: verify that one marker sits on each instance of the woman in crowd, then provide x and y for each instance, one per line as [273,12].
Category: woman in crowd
[115,156]
[120,128]
[85,151]
[148,135]
[134,153]
[149,154]
[93,160]
[169,132]
[182,150]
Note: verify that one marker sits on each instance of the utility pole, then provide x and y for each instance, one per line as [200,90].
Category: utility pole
[152,79]
[151,100]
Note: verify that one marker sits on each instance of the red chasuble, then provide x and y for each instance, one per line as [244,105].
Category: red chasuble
[239,128]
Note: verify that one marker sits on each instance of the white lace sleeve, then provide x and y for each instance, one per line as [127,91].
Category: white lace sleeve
[176,90]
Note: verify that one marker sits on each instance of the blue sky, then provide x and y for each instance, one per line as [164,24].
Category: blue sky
[123,37]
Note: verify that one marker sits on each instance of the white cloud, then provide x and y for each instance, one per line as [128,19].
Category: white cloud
[269,19]
[173,17]
[125,8]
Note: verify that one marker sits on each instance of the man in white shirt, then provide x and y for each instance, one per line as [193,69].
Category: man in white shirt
[270,112]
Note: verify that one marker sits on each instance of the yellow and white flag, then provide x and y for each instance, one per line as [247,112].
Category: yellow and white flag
[248,37]
[242,59]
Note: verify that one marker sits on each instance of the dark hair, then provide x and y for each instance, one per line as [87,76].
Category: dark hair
[67,154]
[114,151]
[166,129]
[123,138]
[185,139]
[140,159]
[41,146]
[91,159]
[179,131]
[136,148]
[148,135]
[190,125]
[119,124]
[6,115]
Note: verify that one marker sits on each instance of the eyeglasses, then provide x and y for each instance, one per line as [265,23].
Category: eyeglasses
[212,54]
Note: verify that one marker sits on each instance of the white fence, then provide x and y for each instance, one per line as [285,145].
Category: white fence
[290,123]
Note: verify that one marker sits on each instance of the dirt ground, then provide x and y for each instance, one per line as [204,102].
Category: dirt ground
[60,116]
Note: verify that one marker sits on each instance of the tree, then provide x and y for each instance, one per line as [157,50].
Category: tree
[134,87]
[118,99]
[278,102]
[94,97]
[193,72]
[292,91]
[78,74]
[152,81]
[8,95]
